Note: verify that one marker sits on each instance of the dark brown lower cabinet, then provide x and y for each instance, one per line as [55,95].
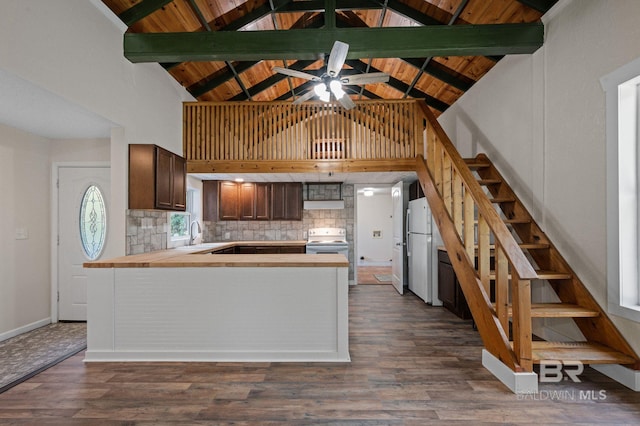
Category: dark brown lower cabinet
[249,249]
[449,290]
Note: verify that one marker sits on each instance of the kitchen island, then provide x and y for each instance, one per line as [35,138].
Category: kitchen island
[187,304]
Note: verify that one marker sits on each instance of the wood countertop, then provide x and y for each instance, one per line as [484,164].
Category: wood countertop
[199,256]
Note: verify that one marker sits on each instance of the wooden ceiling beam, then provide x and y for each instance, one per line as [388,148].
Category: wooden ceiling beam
[388,42]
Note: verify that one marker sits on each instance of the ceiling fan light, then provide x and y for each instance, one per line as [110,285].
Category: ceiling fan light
[336,88]
[320,89]
[325,96]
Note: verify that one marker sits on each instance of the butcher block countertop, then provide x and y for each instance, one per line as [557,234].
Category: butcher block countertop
[200,256]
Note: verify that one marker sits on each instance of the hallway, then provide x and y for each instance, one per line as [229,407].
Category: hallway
[411,365]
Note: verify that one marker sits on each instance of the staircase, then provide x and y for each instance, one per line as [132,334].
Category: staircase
[497,250]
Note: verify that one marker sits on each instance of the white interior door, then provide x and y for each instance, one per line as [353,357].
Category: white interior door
[397,264]
[73,183]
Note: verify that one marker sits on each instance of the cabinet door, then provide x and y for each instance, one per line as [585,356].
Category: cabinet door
[210,200]
[293,201]
[262,201]
[179,183]
[247,193]
[164,179]
[447,285]
[286,201]
[228,205]
[277,201]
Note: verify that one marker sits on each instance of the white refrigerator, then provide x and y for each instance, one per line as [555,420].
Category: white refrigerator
[422,251]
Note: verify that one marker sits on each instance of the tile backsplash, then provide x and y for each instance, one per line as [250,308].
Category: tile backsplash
[147,229]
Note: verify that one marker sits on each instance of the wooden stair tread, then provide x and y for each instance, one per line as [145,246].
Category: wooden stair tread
[516,221]
[502,200]
[585,352]
[528,246]
[473,163]
[559,310]
[542,275]
[489,181]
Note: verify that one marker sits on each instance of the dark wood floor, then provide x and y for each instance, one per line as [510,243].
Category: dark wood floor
[411,364]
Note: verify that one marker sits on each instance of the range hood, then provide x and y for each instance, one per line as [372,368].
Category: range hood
[323,204]
[323,195]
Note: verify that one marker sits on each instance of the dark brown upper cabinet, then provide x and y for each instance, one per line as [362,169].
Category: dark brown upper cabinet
[225,200]
[157,178]
[286,201]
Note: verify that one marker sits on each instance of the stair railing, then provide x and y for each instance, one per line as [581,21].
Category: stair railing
[457,201]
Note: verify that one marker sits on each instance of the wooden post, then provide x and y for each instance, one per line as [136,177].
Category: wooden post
[484,252]
[469,224]
[502,288]
[457,202]
[521,306]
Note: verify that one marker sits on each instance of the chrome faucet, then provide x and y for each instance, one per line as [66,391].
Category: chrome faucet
[192,237]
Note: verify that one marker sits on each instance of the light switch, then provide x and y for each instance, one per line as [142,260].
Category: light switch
[227,235]
[22,234]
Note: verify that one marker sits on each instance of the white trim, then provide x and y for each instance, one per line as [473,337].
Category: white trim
[516,382]
[55,174]
[621,374]
[617,305]
[214,356]
[25,328]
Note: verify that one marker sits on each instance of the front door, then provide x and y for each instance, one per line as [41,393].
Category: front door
[397,263]
[76,246]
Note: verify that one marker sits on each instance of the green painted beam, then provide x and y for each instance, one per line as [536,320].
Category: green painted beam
[219,78]
[541,6]
[141,11]
[391,42]
[319,5]
[270,81]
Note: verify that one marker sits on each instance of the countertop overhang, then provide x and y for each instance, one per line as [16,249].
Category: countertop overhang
[200,256]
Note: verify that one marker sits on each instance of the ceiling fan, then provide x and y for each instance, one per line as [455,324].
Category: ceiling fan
[330,82]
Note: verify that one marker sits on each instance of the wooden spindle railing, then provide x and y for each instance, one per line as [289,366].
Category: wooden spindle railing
[474,233]
[377,135]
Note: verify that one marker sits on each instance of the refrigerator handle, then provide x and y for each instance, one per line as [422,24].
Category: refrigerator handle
[408,240]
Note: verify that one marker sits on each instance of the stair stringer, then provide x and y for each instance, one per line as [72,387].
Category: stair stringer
[599,329]
[493,335]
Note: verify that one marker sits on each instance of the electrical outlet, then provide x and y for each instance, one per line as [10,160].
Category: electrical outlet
[227,235]
[22,234]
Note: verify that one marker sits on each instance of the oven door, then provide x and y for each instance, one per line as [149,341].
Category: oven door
[327,249]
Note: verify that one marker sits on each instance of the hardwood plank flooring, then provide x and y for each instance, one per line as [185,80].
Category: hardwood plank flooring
[366,274]
[411,365]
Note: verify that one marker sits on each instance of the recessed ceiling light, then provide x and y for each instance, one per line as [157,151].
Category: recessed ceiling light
[368,192]
[239,180]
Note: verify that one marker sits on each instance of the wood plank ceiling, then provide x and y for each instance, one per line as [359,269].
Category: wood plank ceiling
[438,78]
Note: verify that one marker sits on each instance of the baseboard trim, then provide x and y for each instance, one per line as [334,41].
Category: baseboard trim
[516,382]
[17,331]
[621,374]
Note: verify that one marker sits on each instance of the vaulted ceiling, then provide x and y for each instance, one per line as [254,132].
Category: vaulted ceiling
[225,50]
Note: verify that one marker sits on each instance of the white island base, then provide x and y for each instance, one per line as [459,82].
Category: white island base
[218,314]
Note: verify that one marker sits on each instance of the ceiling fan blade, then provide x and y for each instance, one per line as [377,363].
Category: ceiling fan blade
[372,77]
[310,94]
[296,73]
[336,58]
[346,102]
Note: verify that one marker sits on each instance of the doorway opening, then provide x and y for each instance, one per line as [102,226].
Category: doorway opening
[374,233]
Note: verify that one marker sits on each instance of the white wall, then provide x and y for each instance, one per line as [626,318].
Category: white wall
[73,50]
[374,213]
[25,294]
[541,119]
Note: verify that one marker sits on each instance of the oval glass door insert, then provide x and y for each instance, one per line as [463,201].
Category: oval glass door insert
[93,222]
